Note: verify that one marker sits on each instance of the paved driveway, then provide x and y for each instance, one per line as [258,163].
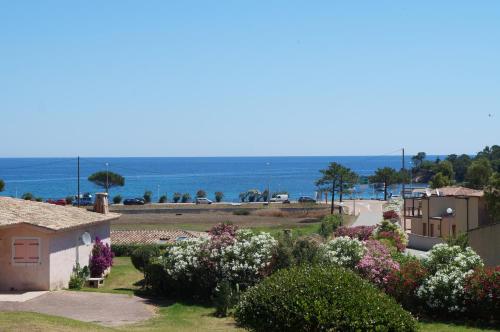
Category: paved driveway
[369,211]
[101,308]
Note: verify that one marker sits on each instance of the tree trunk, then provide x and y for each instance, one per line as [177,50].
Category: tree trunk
[333,197]
[385,191]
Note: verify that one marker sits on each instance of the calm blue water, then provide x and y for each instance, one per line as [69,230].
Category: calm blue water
[57,177]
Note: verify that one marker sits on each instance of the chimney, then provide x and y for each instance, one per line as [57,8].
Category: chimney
[101,203]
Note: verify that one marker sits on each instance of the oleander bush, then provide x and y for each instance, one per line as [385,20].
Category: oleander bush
[342,251]
[320,299]
[403,283]
[377,263]
[391,234]
[449,267]
[195,267]
[482,293]
[361,233]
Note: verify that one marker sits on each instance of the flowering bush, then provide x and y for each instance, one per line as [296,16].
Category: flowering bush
[101,258]
[449,268]
[482,293]
[390,215]
[197,266]
[377,263]
[402,284]
[342,251]
[361,233]
[392,234]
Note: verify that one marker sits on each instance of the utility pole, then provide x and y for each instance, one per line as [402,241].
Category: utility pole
[107,178]
[78,176]
[404,192]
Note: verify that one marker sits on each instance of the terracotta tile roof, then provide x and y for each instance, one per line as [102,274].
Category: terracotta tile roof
[54,217]
[152,236]
[458,191]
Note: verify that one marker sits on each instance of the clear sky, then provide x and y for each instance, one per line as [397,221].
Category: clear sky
[241,78]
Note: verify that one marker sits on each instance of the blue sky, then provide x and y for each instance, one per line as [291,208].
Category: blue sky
[231,78]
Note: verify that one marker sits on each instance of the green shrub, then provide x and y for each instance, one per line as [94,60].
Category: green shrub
[177,197]
[185,197]
[241,212]
[126,250]
[28,196]
[461,240]
[155,277]
[142,255]
[201,193]
[320,299]
[219,195]
[117,199]
[78,277]
[305,251]
[163,199]
[39,199]
[329,225]
[225,297]
[148,195]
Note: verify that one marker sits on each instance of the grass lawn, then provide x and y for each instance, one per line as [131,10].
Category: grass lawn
[172,316]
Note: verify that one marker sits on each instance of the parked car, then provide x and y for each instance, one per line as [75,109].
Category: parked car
[57,202]
[306,199]
[134,201]
[84,201]
[280,198]
[202,200]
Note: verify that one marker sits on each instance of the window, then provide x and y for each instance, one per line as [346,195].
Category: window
[26,250]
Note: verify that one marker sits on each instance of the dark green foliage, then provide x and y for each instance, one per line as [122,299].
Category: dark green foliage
[156,278]
[241,212]
[219,195]
[126,250]
[142,255]
[439,180]
[78,277]
[117,199]
[305,250]
[460,165]
[461,240]
[201,194]
[107,180]
[478,174]
[185,198]
[148,196]
[492,196]
[2,185]
[329,225]
[387,176]
[336,178]
[163,199]
[225,297]
[320,299]
[38,199]
[28,196]
[177,197]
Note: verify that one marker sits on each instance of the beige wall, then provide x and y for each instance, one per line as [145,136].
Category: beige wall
[486,242]
[59,251]
[25,276]
[66,247]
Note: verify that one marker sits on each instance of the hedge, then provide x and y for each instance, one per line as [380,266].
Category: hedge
[320,299]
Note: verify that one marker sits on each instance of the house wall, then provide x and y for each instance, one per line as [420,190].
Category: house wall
[25,276]
[66,248]
[486,242]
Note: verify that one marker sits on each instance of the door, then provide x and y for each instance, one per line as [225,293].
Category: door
[432,230]
[424,229]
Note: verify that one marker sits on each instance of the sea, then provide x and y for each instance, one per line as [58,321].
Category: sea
[54,178]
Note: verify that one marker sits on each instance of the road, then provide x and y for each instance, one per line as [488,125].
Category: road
[369,212]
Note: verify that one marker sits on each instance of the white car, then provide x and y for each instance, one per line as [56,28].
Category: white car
[202,200]
[280,198]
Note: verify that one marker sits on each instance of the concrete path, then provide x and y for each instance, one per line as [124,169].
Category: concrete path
[100,308]
[369,212]
[20,296]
